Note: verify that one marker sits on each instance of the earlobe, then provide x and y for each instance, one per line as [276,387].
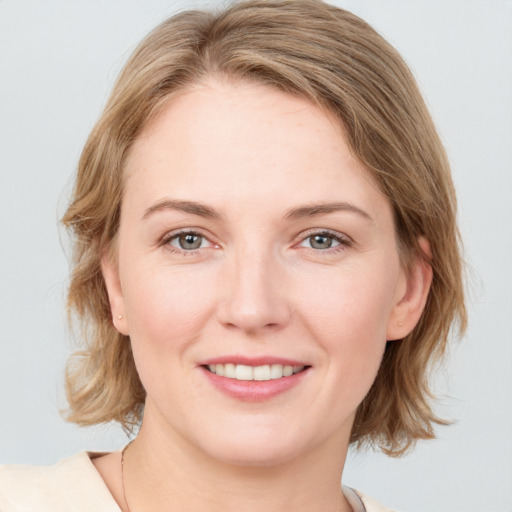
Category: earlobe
[110,271]
[413,296]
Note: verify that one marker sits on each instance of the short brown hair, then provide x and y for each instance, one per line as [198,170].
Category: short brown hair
[338,62]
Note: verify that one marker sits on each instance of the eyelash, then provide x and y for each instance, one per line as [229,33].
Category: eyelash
[169,237]
[343,241]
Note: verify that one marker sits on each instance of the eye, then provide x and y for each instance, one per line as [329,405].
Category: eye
[322,241]
[325,240]
[186,241]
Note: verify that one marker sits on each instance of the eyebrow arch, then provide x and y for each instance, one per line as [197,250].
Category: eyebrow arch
[185,206]
[301,212]
[325,208]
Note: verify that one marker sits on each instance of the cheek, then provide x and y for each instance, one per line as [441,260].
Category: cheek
[166,310]
[350,304]
[166,307]
[349,318]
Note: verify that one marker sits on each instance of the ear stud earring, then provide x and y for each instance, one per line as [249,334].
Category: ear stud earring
[120,317]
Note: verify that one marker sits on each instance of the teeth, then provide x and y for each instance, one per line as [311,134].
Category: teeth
[276,371]
[260,373]
[243,372]
[229,370]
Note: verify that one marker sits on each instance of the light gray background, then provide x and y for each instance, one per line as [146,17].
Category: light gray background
[58,60]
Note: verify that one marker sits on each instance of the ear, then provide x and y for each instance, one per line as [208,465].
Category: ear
[412,295]
[110,271]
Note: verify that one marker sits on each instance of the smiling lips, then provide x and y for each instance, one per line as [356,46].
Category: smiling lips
[254,382]
[259,373]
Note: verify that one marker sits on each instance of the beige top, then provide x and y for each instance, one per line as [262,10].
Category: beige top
[74,485]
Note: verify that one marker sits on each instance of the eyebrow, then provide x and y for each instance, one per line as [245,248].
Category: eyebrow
[325,208]
[185,206]
[301,212]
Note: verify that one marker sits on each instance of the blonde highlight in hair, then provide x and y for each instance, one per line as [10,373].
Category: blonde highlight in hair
[338,62]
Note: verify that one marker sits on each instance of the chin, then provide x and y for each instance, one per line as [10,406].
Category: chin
[256,448]
[257,456]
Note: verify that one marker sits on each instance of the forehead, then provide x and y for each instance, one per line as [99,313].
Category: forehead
[237,142]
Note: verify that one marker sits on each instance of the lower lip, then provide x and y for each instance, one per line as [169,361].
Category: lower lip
[254,390]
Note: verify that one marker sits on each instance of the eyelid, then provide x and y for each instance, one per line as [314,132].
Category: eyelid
[343,239]
[325,231]
[171,235]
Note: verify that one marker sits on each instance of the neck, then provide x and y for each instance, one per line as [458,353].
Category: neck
[164,472]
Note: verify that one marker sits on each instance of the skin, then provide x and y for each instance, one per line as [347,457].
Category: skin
[258,285]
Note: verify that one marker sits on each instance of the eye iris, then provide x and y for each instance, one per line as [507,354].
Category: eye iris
[190,241]
[321,241]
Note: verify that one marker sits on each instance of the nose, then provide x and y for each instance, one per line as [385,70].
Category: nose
[254,295]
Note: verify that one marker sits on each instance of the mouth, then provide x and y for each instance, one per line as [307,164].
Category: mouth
[255,379]
[257,373]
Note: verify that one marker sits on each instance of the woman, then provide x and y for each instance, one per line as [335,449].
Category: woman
[266,265]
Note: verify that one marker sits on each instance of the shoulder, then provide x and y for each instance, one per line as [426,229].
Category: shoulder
[371,505]
[70,484]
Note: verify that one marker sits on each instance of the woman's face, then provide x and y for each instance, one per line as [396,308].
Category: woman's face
[253,245]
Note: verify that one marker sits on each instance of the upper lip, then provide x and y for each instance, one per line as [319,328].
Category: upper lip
[252,361]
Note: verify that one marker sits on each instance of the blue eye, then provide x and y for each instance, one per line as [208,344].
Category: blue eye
[186,241]
[189,241]
[322,241]
[325,240]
